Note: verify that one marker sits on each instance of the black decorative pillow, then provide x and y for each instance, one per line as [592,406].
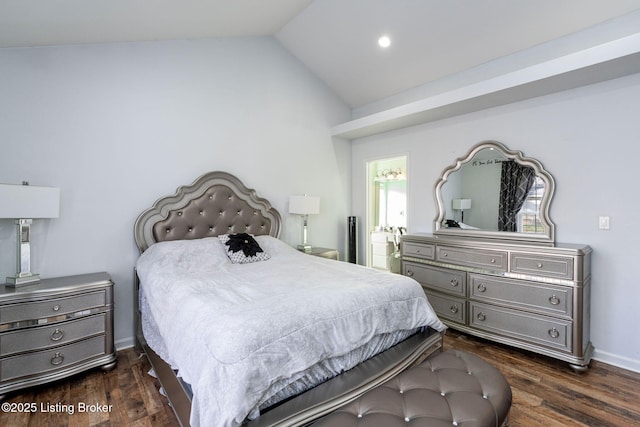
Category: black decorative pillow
[242,248]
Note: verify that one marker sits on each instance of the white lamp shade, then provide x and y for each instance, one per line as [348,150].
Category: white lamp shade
[29,201]
[461,204]
[304,205]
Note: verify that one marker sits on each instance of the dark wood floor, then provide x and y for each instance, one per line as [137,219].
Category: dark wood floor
[546,393]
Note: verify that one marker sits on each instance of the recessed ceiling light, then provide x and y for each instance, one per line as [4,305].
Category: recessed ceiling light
[384,41]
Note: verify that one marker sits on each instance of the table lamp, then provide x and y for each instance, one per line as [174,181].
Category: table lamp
[461,205]
[24,203]
[305,206]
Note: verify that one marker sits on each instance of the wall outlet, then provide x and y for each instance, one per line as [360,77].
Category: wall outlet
[603,222]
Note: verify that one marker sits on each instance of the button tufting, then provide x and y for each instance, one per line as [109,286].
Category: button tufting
[190,229]
[500,398]
[210,228]
[179,213]
[201,212]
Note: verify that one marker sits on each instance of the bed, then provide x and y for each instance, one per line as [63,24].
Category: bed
[279,341]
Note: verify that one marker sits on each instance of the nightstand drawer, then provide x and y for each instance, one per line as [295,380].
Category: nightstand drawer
[51,360]
[418,250]
[492,260]
[532,296]
[449,281]
[449,308]
[53,335]
[52,307]
[531,328]
[537,265]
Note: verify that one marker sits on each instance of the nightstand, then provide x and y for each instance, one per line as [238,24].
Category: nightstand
[55,328]
[324,253]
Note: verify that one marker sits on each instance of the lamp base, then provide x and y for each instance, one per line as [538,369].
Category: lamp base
[304,248]
[18,281]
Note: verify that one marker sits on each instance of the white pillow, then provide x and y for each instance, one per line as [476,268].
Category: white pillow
[242,248]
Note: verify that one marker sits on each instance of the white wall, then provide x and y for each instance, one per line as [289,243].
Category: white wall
[117,126]
[587,139]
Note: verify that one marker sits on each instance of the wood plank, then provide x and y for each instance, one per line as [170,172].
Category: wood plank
[546,392]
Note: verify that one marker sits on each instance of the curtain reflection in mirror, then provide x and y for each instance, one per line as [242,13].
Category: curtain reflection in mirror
[516,181]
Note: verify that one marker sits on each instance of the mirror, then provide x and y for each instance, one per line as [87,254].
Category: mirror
[493,192]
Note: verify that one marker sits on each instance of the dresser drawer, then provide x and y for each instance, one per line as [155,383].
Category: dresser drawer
[46,361]
[540,265]
[451,281]
[52,335]
[419,250]
[51,307]
[530,328]
[492,260]
[532,296]
[449,308]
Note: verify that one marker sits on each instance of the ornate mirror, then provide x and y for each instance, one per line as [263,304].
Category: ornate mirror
[494,192]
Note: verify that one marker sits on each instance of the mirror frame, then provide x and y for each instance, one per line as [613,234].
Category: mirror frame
[547,237]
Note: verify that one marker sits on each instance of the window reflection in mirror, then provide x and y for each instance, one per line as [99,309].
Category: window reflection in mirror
[529,220]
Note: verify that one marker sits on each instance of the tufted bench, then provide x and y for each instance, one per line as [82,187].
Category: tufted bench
[450,388]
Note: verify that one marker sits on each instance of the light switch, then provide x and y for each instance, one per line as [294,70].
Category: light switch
[603,222]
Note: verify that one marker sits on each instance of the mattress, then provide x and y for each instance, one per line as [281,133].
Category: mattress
[305,380]
[246,335]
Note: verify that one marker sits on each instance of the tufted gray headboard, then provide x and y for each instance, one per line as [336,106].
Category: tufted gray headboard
[216,203]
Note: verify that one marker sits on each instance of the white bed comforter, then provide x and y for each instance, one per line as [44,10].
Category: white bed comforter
[232,330]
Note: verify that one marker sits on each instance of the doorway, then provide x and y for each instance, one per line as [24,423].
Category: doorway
[386,211]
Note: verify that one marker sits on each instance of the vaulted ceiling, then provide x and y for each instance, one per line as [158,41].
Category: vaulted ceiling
[336,39]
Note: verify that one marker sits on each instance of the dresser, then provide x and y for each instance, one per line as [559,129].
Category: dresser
[531,296]
[55,328]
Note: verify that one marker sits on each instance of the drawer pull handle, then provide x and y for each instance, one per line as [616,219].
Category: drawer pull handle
[454,309]
[56,308]
[454,282]
[444,254]
[554,300]
[409,273]
[417,251]
[57,359]
[540,265]
[57,335]
[481,317]
[482,287]
[553,333]
[493,260]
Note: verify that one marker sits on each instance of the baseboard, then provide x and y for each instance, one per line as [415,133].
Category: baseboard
[615,360]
